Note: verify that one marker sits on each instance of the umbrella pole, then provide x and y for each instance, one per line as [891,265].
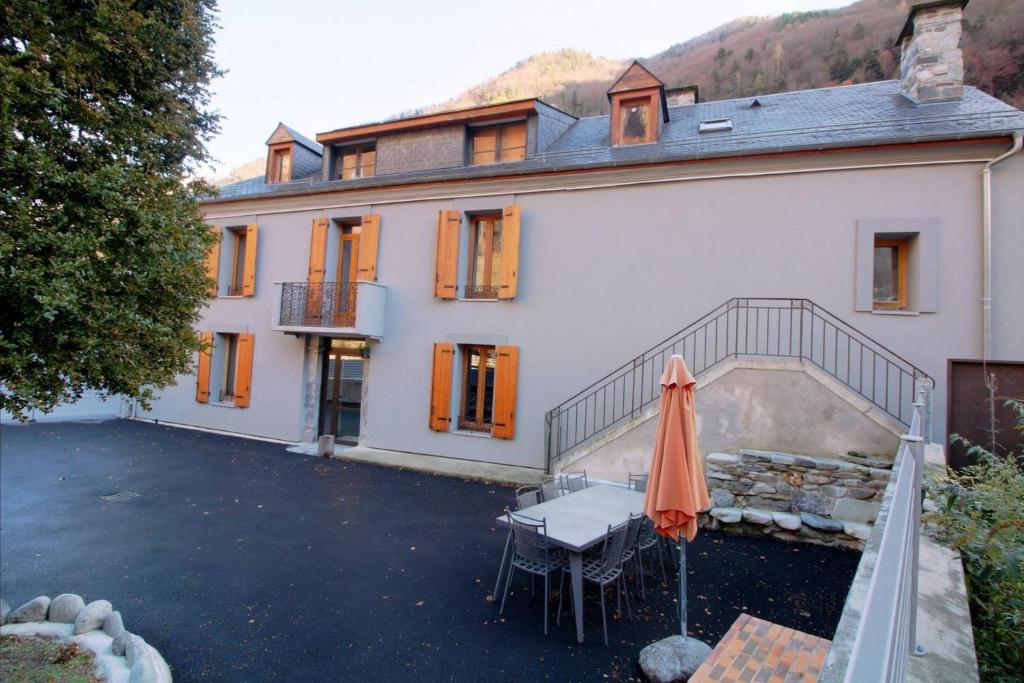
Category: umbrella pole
[682,584]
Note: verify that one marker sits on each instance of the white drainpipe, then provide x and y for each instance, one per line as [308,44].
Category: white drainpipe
[986,245]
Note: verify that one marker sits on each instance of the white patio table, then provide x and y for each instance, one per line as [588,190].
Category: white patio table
[577,522]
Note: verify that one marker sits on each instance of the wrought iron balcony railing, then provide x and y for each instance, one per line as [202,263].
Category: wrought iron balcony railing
[318,304]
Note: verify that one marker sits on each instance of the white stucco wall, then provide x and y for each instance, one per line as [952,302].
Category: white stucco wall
[605,273]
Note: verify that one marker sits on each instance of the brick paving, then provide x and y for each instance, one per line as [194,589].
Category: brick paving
[758,651]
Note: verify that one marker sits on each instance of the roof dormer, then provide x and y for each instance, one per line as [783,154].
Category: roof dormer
[638,105]
[291,155]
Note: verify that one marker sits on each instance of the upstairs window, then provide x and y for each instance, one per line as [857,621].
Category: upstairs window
[890,274]
[359,161]
[635,121]
[238,238]
[478,364]
[493,144]
[485,249]
[280,166]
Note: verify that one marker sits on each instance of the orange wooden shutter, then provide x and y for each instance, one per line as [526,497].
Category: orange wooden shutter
[369,239]
[318,250]
[213,260]
[509,282]
[441,387]
[249,277]
[243,370]
[447,263]
[203,369]
[505,379]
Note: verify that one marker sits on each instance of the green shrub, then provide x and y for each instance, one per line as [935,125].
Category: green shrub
[981,515]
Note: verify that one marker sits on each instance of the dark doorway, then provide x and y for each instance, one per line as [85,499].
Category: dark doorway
[971,402]
[342,394]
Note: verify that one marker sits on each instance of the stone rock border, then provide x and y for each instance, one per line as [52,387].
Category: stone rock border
[120,655]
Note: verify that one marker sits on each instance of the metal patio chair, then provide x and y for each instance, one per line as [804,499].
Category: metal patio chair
[551,486]
[531,554]
[528,496]
[632,554]
[605,569]
[648,540]
[574,481]
[638,482]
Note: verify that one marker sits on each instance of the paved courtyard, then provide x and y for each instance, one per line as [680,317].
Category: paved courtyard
[240,561]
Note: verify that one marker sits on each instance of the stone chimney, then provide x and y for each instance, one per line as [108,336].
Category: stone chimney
[931,62]
[677,97]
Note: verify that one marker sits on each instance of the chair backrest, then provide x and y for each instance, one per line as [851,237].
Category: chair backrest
[551,487]
[636,522]
[575,481]
[528,496]
[529,536]
[638,482]
[646,530]
[614,545]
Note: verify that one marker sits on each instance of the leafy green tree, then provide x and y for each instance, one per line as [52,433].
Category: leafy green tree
[104,114]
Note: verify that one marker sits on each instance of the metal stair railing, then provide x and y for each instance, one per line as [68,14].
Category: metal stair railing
[747,327]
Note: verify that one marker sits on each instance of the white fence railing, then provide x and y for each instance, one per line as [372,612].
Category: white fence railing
[887,632]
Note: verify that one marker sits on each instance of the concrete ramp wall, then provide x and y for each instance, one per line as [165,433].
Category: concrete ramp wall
[786,405]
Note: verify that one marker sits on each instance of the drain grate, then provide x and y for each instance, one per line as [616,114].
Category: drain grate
[120,496]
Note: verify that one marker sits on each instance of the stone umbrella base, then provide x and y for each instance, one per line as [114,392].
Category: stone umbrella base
[673,659]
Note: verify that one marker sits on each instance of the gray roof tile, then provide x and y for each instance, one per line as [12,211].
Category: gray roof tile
[864,114]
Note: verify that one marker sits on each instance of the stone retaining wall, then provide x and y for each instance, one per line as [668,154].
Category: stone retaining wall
[829,501]
[120,655]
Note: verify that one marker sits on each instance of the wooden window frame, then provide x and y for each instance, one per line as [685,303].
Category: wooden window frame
[275,175]
[498,138]
[237,279]
[477,425]
[226,393]
[359,149]
[472,289]
[902,247]
[625,104]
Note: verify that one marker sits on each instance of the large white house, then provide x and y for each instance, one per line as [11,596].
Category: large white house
[445,284]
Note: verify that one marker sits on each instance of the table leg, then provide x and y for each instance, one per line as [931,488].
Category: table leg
[501,568]
[576,570]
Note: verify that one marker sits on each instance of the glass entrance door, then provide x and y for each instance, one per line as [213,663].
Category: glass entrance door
[341,396]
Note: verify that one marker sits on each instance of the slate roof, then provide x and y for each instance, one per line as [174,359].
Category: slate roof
[311,145]
[853,115]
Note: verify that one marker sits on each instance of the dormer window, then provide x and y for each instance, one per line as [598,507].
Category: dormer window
[638,107]
[357,161]
[635,121]
[280,165]
[493,144]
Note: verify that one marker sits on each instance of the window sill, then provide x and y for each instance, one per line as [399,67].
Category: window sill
[470,432]
[893,311]
[478,299]
[222,404]
[231,296]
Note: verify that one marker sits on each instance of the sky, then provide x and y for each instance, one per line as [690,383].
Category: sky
[323,64]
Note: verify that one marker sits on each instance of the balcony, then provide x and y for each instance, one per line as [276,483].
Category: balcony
[330,309]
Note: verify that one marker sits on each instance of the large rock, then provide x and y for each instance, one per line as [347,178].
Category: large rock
[119,643]
[113,625]
[808,502]
[135,648]
[33,610]
[858,511]
[722,498]
[858,531]
[723,458]
[820,523]
[673,659]
[787,521]
[65,608]
[727,515]
[144,670]
[755,516]
[5,609]
[91,617]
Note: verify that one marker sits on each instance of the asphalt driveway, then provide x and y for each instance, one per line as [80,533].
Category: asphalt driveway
[240,561]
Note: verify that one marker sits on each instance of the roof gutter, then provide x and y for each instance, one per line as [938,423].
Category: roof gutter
[986,245]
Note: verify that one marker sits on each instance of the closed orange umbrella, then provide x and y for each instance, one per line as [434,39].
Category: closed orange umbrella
[676,489]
